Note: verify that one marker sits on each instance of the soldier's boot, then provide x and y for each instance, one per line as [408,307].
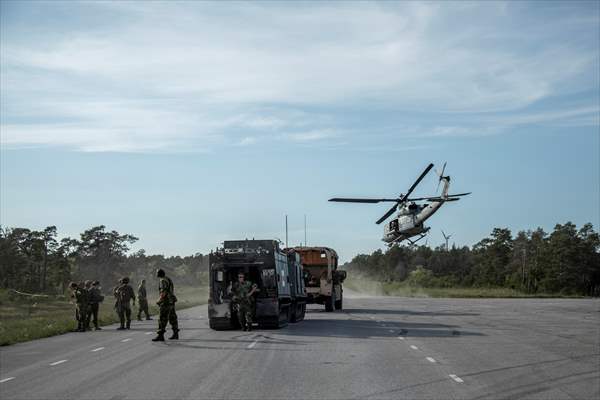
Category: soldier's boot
[175,335]
[159,337]
[97,328]
[121,327]
[128,324]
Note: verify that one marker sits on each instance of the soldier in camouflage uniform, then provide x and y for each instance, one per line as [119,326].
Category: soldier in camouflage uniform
[123,295]
[87,286]
[80,295]
[166,304]
[142,301]
[243,301]
[95,298]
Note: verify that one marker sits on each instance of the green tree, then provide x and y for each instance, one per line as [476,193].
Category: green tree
[101,254]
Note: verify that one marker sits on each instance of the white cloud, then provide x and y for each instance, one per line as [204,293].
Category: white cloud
[313,135]
[200,72]
[247,141]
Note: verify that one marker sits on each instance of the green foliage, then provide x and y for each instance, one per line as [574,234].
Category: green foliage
[36,262]
[565,262]
[26,318]
[421,277]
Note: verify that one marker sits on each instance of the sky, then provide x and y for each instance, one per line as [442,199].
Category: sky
[189,123]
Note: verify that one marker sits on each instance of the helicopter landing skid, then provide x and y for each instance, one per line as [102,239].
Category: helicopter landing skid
[412,242]
[421,236]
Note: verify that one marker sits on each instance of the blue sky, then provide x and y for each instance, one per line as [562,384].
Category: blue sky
[190,123]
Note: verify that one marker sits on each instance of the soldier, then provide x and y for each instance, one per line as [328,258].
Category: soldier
[166,304]
[142,301]
[242,301]
[87,286]
[123,295]
[80,296]
[95,298]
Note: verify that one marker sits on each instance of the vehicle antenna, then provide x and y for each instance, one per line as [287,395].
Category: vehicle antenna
[305,243]
[286,231]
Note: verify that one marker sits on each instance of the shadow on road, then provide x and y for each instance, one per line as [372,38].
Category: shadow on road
[364,329]
[239,342]
[401,312]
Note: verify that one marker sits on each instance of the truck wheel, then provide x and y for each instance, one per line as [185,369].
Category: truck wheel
[303,312]
[329,303]
[339,303]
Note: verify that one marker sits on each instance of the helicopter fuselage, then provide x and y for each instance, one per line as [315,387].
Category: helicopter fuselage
[410,219]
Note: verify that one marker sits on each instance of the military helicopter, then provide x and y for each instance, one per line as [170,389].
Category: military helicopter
[411,216]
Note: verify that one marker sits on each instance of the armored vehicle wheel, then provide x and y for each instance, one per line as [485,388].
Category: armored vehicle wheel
[329,303]
[220,324]
[339,303]
[284,316]
[268,323]
[294,312]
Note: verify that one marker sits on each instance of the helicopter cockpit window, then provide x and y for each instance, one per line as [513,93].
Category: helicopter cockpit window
[394,225]
[219,276]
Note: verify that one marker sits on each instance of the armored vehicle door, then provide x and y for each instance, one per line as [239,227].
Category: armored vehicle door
[281,267]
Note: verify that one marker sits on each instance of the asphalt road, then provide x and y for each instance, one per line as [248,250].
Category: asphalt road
[377,348]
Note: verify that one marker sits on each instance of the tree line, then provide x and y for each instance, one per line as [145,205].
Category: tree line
[40,262]
[565,261]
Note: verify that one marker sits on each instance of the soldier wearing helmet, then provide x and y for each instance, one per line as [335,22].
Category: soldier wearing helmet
[166,304]
[142,301]
[95,298]
[80,296]
[123,295]
[242,293]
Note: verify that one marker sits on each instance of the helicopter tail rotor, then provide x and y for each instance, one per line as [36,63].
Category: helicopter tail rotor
[441,176]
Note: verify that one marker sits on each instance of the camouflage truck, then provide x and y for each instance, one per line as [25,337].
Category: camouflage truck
[322,279]
[277,273]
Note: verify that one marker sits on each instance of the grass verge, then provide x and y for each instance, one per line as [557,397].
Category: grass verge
[23,318]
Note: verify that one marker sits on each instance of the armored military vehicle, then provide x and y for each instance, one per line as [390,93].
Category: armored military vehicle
[322,279]
[277,273]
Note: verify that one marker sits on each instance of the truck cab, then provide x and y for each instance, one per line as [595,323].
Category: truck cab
[322,278]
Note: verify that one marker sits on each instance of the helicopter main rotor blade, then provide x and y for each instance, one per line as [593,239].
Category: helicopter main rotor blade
[414,185]
[438,199]
[434,198]
[403,197]
[459,194]
[350,200]
[387,214]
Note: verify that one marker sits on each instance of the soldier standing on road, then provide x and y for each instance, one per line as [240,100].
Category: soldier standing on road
[242,301]
[143,301]
[166,304]
[123,295]
[95,298]
[80,296]
[87,287]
